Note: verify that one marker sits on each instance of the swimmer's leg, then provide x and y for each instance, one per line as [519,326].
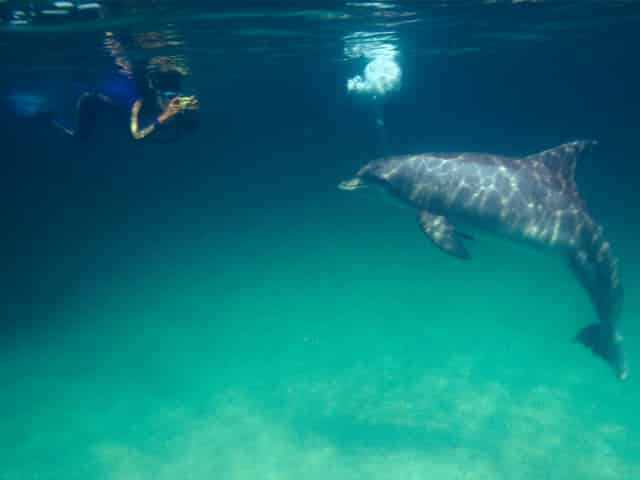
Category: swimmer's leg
[85,117]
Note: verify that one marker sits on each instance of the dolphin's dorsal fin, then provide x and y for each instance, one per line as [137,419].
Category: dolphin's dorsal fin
[561,160]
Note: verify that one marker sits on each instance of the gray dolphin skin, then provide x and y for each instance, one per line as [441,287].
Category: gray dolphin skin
[533,199]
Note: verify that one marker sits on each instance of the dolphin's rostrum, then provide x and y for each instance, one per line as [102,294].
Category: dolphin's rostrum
[532,198]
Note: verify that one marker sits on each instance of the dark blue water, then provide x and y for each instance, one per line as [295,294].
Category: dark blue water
[216,308]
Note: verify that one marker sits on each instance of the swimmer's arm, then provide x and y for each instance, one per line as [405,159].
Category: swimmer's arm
[117,51]
[138,133]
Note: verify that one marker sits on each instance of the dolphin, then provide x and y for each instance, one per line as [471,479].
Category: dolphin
[533,199]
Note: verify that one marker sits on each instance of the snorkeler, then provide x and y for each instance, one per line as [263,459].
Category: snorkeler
[158,99]
[150,95]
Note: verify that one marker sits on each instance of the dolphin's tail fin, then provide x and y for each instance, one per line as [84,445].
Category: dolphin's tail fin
[596,267]
[606,343]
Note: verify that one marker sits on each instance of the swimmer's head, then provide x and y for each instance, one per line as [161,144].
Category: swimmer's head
[164,84]
[165,76]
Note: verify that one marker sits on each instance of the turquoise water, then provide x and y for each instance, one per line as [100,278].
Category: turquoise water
[217,308]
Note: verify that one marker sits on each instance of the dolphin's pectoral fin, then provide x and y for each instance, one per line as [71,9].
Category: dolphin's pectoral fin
[605,344]
[443,235]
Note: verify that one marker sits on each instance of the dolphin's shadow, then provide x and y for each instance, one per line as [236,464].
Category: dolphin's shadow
[347,432]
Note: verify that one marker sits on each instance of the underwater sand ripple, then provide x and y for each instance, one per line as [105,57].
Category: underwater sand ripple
[446,424]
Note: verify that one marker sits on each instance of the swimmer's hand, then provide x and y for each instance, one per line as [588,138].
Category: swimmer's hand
[178,105]
[188,102]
